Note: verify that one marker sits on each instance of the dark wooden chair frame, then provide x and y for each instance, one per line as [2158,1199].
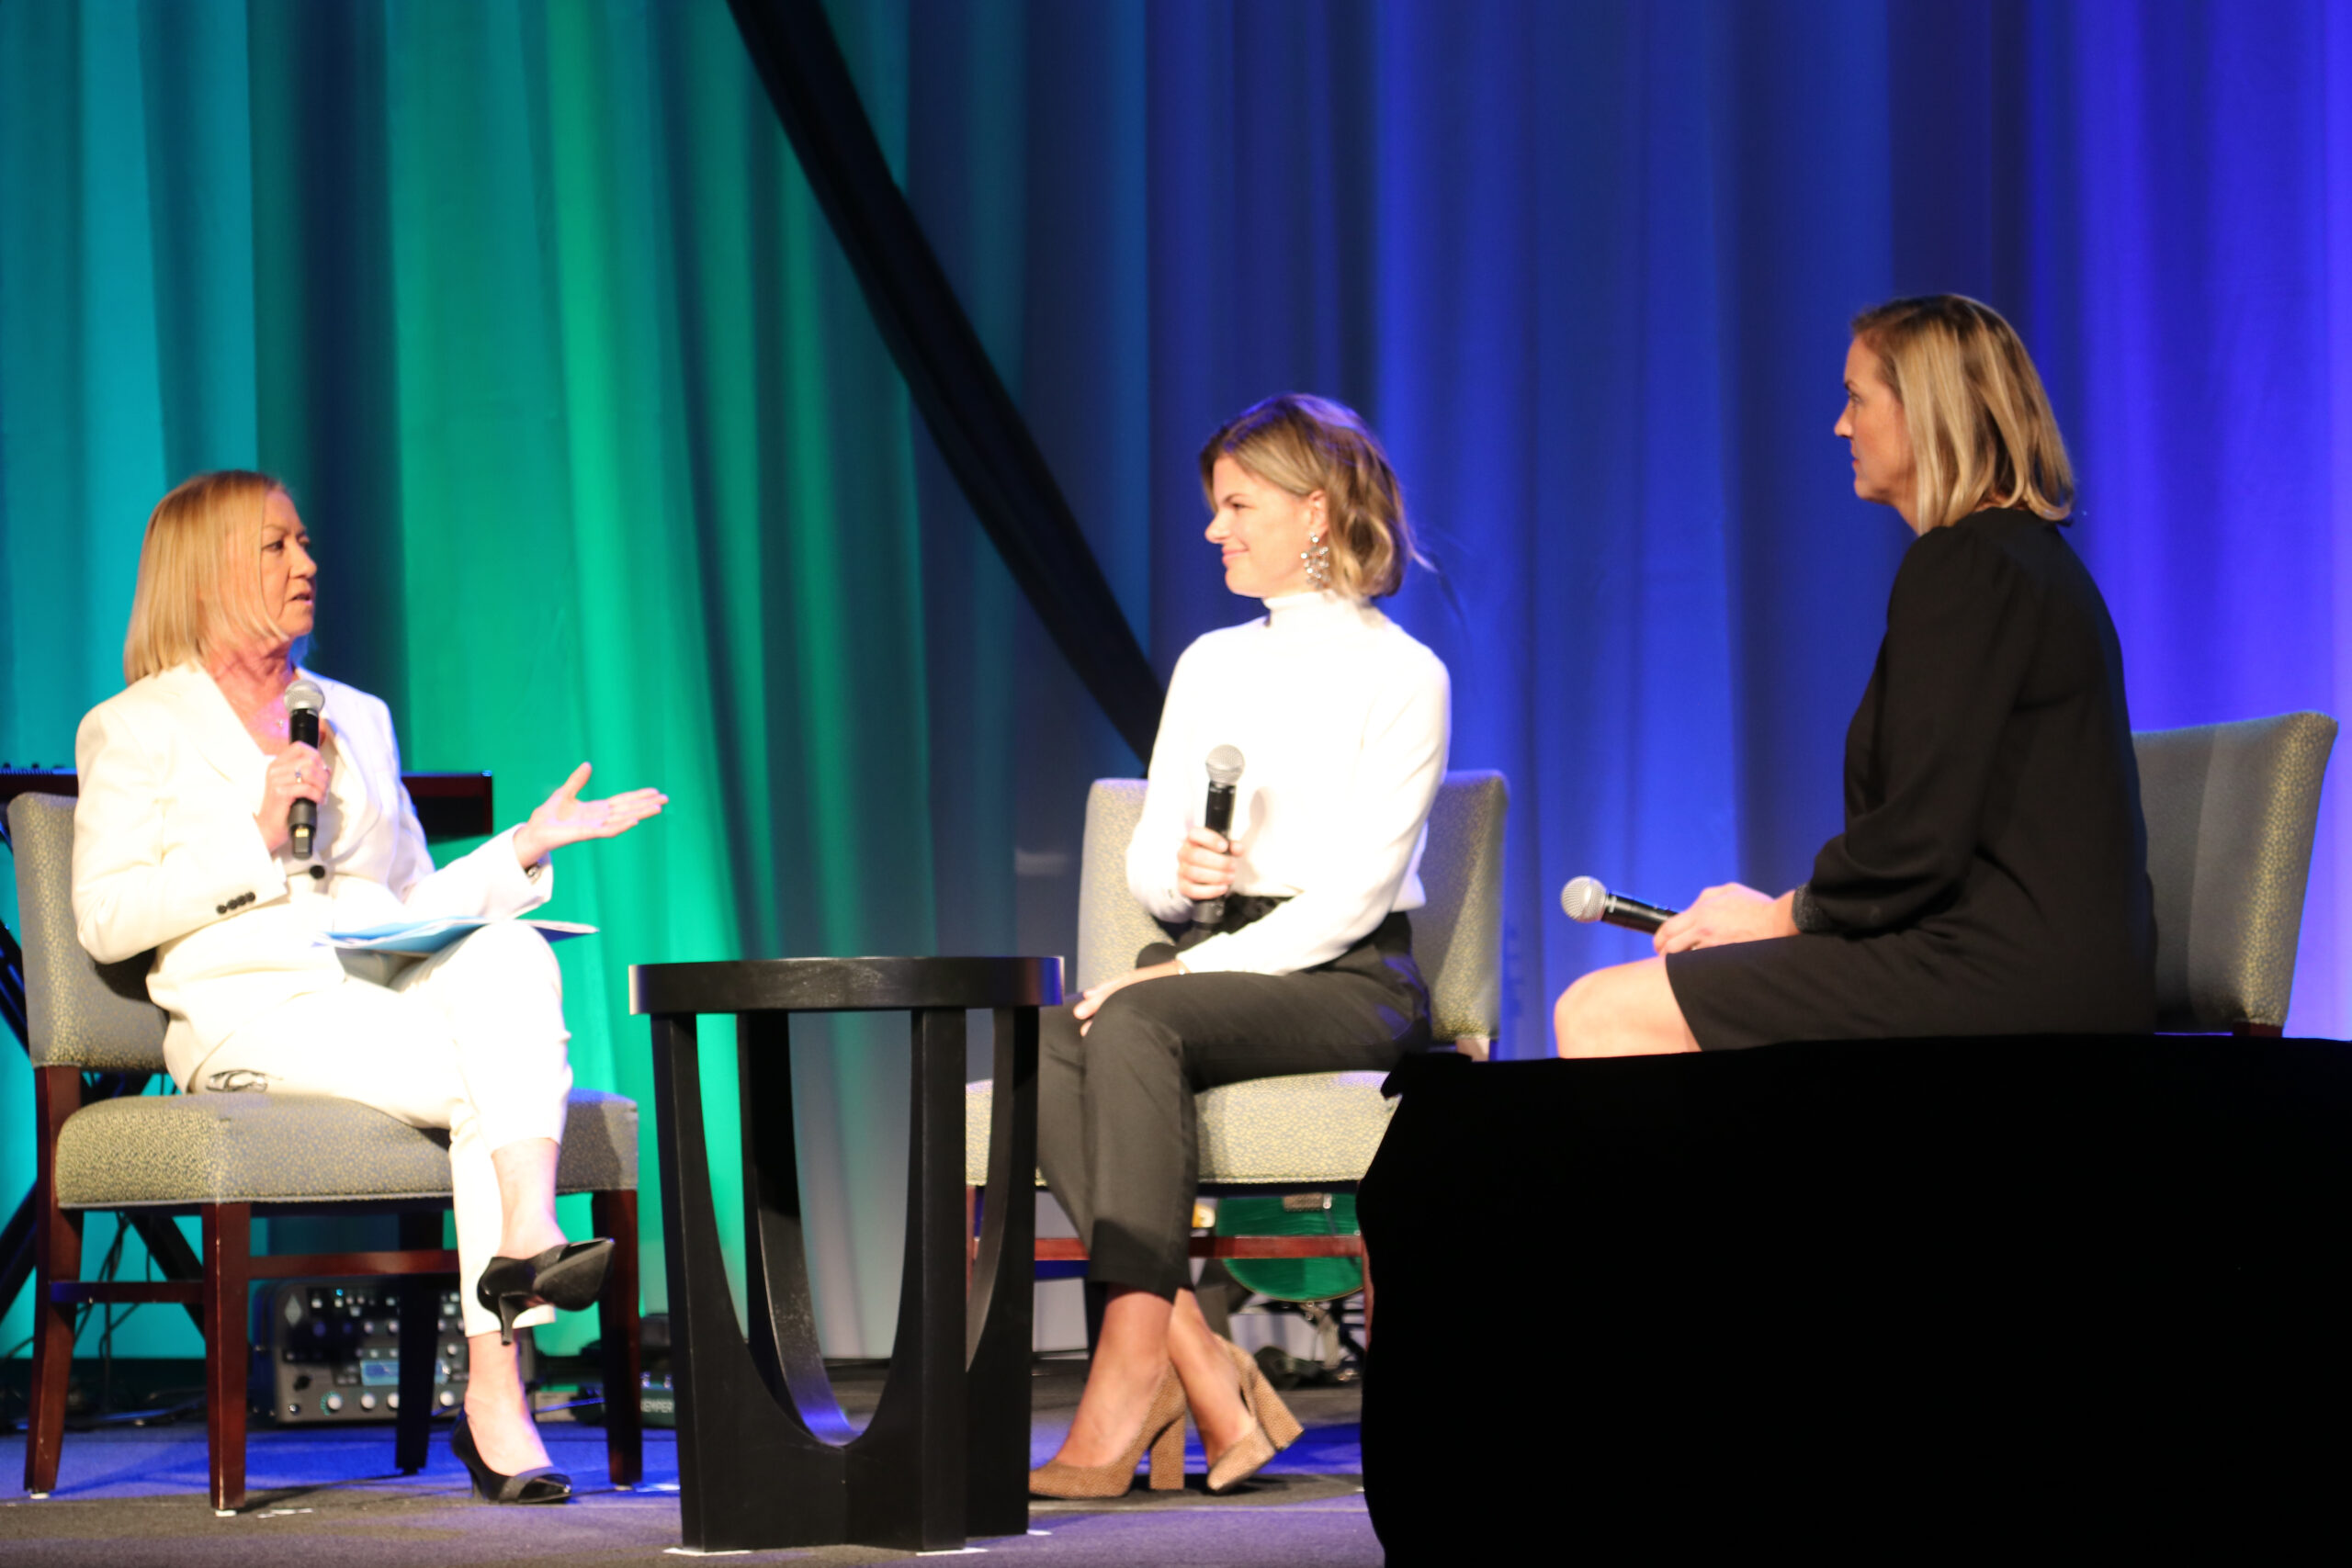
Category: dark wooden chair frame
[1052,1253]
[218,1299]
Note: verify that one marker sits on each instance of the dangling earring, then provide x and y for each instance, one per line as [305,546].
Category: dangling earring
[1317,556]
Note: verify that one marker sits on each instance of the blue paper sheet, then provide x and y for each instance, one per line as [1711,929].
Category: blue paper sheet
[432,936]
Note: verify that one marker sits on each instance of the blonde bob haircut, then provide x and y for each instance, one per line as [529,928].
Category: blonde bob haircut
[1982,432]
[1303,444]
[199,573]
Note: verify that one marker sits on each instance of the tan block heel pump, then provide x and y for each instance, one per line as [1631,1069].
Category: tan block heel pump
[1272,1427]
[1162,1435]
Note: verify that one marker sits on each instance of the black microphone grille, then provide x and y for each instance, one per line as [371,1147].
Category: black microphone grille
[1225,766]
[304,696]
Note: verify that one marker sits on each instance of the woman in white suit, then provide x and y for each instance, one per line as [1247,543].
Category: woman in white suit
[181,844]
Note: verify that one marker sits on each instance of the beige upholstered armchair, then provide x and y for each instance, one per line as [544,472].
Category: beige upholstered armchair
[1306,1132]
[230,1159]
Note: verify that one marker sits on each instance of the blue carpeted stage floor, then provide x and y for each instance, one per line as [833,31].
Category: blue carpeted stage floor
[136,1495]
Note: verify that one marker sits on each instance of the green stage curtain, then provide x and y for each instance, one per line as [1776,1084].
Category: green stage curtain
[531,308]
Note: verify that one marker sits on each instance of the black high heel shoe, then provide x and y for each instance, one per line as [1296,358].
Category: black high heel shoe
[568,1276]
[542,1484]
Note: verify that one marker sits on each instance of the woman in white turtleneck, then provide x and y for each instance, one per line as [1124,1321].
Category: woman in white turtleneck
[1342,718]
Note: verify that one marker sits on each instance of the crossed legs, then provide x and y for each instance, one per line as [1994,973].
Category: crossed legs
[1143,1334]
[1116,1141]
[471,1040]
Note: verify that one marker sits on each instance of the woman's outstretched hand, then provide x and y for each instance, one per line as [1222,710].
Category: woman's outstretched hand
[1727,914]
[1090,1002]
[565,818]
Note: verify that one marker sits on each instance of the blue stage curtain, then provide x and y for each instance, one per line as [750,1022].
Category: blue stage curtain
[1587,267]
[530,303]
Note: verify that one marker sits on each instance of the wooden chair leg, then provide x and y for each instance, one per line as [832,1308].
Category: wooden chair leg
[228,1258]
[615,1214]
[1366,1261]
[420,1299]
[57,1257]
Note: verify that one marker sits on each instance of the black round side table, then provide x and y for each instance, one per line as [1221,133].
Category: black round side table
[765,1458]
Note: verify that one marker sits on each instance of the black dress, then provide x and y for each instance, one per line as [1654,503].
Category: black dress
[1992,878]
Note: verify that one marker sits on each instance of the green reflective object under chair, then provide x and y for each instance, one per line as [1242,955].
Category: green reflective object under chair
[96,1039]
[1322,1215]
[1302,1133]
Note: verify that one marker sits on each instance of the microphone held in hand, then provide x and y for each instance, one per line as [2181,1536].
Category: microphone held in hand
[1225,766]
[1586,900]
[303,703]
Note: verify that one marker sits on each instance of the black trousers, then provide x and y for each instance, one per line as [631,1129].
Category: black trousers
[1116,1138]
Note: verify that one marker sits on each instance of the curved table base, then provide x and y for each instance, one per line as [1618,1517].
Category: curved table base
[765,1457]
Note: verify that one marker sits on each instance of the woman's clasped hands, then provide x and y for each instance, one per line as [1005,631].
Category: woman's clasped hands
[1732,912]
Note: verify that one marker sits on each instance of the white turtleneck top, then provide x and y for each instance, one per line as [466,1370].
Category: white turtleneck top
[1343,720]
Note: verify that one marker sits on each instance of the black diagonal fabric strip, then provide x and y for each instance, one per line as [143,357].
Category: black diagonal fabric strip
[971,415]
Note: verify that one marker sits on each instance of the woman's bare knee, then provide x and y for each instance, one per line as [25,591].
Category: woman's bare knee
[1573,1017]
[1627,1011]
[1588,1022]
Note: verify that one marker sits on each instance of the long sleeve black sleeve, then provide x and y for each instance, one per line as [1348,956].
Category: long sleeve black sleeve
[1961,630]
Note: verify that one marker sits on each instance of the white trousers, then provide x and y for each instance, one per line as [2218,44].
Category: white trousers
[472,1039]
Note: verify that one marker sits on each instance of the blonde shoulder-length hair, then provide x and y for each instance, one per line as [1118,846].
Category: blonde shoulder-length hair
[199,573]
[1304,444]
[1982,432]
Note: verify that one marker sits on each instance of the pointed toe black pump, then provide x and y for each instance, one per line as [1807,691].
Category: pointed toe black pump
[568,1276]
[543,1484]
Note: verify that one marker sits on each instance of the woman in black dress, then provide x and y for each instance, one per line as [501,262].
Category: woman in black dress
[1992,878]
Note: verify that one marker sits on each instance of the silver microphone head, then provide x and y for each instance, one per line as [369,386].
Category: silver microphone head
[304,696]
[1225,766]
[1584,899]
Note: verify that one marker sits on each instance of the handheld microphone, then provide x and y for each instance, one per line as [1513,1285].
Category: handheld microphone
[303,702]
[1225,772]
[1586,900]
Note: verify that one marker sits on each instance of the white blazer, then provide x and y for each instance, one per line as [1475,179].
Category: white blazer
[166,856]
